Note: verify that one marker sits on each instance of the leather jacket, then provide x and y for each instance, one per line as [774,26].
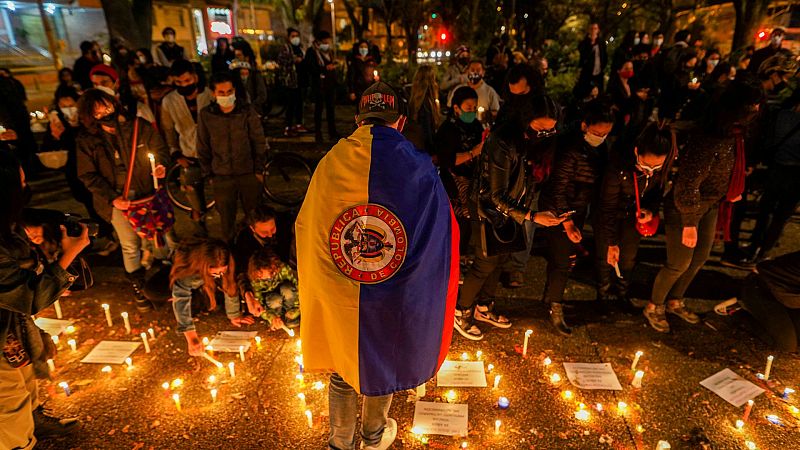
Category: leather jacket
[575,178]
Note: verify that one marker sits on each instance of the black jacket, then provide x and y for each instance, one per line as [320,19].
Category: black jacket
[782,276]
[230,144]
[586,61]
[618,197]
[575,177]
[504,184]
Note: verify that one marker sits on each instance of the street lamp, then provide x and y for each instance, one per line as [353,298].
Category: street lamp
[333,25]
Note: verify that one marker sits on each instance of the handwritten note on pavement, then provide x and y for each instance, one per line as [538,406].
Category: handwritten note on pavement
[449,419]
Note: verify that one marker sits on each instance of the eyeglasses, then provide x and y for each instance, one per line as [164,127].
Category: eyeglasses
[546,133]
[645,168]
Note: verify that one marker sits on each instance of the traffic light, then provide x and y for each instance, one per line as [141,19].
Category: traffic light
[443,36]
[434,15]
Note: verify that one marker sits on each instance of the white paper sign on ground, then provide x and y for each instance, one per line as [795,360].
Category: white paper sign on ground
[53,327]
[731,387]
[111,352]
[592,376]
[449,419]
[461,374]
[230,341]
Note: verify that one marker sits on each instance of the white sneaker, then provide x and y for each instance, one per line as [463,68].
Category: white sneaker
[389,435]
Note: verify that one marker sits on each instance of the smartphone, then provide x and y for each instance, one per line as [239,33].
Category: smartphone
[567,214]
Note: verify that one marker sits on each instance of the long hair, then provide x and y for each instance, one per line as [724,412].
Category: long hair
[11,187]
[424,91]
[660,140]
[86,104]
[196,257]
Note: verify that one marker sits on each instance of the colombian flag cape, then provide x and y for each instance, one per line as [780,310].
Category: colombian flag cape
[377,253]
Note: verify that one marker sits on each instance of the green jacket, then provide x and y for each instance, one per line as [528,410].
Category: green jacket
[262,288]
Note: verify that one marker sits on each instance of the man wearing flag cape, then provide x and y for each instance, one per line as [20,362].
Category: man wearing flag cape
[377,252]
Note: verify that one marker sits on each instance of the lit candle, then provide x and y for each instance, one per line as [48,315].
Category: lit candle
[287,330]
[617,271]
[478,355]
[153,169]
[750,445]
[739,424]
[770,358]
[481,109]
[555,378]
[637,379]
[299,345]
[528,334]
[786,393]
[146,344]
[547,361]
[636,359]
[503,403]
[599,407]
[72,345]
[212,379]
[299,360]
[319,385]
[176,383]
[568,395]
[451,395]
[211,360]
[258,341]
[464,356]
[55,339]
[309,419]
[241,352]
[165,385]
[375,75]
[51,365]
[622,407]
[107,310]
[497,380]
[490,368]
[106,369]
[497,424]
[302,398]
[127,322]
[65,386]
[57,306]
[232,369]
[421,390]
[129,362]
[70,329]
[301,379]
[152,333]
[205,341]
[177,399]
[213,395]
[582,415]
[747,410]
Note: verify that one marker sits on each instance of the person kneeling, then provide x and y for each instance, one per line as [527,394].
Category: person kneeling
[274,286]
[200,263]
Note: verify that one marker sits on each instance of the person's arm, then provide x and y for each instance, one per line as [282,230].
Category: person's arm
[610,196]
[160,57]
[168,128]
[258,143]
[499,155]
[494,101]
[204,154]
[182,303]
[562,176]
[24,291]
[90,174]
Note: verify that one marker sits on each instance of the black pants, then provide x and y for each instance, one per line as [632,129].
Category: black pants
[560,260]
[326,99]
[294,107]
[781,198]
[227,191]
[480,282]
[683,263]
[782,324]
[629,240]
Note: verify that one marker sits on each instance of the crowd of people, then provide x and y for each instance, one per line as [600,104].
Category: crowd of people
[673,137]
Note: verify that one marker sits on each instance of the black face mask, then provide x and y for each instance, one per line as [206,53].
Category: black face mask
[109,120]
[474,78]
[186,90]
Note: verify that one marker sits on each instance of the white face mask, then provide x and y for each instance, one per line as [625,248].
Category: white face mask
[226,101]
[363,51]
[636,41]
[592,139]
[143,59]
[324,47]
[658,42]
[777,40]
[713,62]
[295,41]
[70,112]
[107,90]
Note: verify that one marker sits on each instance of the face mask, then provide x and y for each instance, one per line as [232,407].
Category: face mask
[592,139]
[713,62]
[363,51]
[295,41]
[468,116]
[463,61]
[324,47]
[636,41]
[186,90]
[169,38]
[143,59]
[626,74]
[107,90]
[474,78]
[109,120]
[658,42]
[70,112]
[647,170]
[777,40]
[226,101]
[218,275]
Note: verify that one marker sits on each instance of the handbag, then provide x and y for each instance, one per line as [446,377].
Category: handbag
[650,227]
[83,275]
[500,235]
[151,217]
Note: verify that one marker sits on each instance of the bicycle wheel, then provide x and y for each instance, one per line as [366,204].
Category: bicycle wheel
[286,179]
[178,196]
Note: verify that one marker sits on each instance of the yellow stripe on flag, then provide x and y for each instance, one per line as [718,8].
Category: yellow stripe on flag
[329,300]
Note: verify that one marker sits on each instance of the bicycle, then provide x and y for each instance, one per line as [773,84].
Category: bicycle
[286,178]
[177,194]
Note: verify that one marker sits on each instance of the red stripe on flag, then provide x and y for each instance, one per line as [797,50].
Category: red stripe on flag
[452,290]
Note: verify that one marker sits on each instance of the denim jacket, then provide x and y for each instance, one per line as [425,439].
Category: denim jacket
[182,302]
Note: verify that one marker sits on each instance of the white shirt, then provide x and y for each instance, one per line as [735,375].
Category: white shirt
[487,97]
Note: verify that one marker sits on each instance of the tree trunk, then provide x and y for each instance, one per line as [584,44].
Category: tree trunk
[354,21]
[122,25]
[143,13]
[412,41]
[389,37]
[749,14]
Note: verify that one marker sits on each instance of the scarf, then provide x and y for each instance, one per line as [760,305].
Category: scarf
[735,188]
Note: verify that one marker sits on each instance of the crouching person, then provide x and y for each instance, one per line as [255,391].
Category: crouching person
[206,264]
[274,285]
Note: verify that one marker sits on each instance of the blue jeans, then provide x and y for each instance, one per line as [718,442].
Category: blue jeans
[343,407]
[132,244]
[182,302]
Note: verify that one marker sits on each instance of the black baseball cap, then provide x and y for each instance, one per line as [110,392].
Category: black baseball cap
[379,101]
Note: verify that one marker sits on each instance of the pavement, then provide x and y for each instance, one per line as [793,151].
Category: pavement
[260,408]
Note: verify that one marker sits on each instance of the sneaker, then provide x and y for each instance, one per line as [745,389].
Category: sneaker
[485,313]
[110,247]
[46,426]
[301,129]
[516,280]
[465,327]
[678,308]
[389,435]
[657,317]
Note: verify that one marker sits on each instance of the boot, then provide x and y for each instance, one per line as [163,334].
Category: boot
[557,319]
[137,282]
[46,426]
